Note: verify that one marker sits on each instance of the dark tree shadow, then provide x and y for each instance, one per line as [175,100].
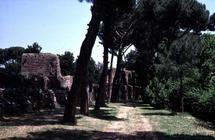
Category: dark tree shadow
[160,114]
[53,117]
[206,124]
[45,117]
[163,136]
[207,121]
[149,108]
[144,106]
[139,104]
[104,114]
[65,134]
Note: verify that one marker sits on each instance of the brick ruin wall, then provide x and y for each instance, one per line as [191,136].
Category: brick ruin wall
[45,65]
[42,64]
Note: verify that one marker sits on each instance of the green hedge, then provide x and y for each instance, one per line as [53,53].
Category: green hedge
[199,102]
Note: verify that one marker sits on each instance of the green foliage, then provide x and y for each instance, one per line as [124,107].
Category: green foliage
[130,60]
[211,24]
[11,59]
[207,60]
[159,24]
[12,54]
[201,103]
[67,63]
[171,57]
[34,48]
[124,5]
[185,70]
[175,14]
[156,92]
[163,94]
[94,72]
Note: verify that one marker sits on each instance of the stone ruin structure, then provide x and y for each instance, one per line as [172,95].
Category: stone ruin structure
[128,80]
[46,66]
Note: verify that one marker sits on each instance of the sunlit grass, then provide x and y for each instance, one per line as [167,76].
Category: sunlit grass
[27,127]
[97,120]
[166,125]
[172,123]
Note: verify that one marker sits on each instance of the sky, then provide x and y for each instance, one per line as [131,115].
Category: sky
[56,25]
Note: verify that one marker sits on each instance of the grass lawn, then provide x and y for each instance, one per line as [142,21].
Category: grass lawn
[178,126]
[97,120]
[137,123]
[46,125]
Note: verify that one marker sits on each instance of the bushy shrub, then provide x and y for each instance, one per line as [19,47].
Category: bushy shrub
[163,94]
[154,92]
[17,101]
[201,103]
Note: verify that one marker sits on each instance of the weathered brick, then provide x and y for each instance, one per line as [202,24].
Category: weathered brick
[45,65]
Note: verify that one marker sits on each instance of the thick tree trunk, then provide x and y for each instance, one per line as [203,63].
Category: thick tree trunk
[84,106]
[110,78]
[1,112]
[82,67]
[100,101]
[182,93]
[117,79]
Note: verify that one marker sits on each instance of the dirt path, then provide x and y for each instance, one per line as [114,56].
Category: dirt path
[132,126]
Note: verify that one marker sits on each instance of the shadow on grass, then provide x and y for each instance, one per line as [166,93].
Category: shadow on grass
[206,124]
[206,121]
[53,117]
[149,108]
[143,106]
[65,134]
[46,117]
[160,114]
[105,114]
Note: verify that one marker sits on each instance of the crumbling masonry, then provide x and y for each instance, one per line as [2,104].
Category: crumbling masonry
[45,65]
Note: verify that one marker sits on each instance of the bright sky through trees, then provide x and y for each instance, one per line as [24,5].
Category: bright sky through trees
[57,25]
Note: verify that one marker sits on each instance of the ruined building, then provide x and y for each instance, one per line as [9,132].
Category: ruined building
[46,66]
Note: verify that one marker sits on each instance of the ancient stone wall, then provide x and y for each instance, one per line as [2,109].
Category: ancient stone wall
[42,64]
[126,75]
[127,79]
[45,65]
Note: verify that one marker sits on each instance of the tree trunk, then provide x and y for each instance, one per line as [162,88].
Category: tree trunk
[117,78]
[1,112]
[110,78]
[82,67]
[100,101]
[182,93]
[84,106]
